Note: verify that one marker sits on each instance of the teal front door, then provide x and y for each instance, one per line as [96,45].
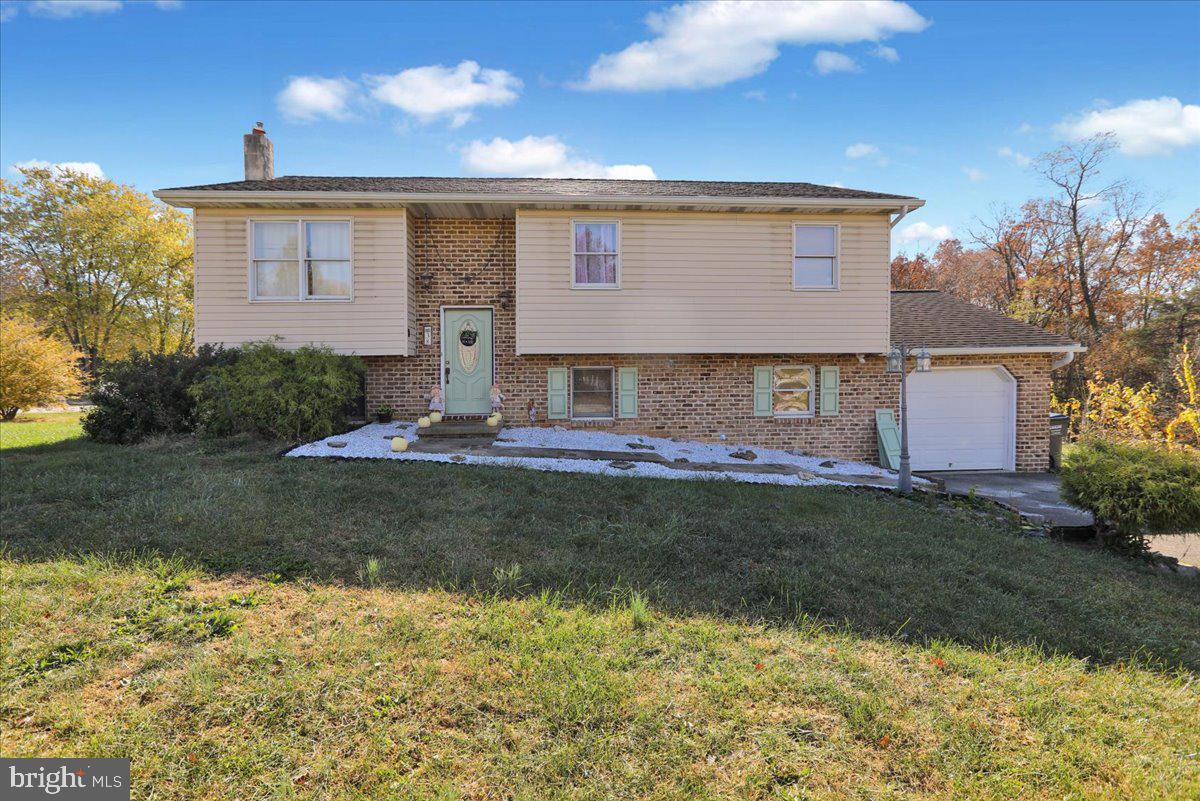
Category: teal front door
[467,360]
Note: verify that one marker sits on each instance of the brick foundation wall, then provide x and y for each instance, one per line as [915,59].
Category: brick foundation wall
[697,396]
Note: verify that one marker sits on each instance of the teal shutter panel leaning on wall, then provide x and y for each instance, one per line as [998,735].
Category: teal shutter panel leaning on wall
[762,391]
[829,390]
[556,393]
[627,391]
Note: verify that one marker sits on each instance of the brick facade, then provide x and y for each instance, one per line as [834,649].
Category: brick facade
[697,396]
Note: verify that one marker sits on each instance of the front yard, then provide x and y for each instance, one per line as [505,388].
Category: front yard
[248,626]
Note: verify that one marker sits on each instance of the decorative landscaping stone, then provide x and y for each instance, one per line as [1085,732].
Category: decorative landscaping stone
[747,456]
[621,464]
[640,446]
[458,457]
[680,460]
[829,463]
[337,444]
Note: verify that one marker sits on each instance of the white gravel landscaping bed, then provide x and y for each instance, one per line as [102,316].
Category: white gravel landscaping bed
[558,437]
[373,441]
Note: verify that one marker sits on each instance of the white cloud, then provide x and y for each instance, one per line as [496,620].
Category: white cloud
[974,175]
[886,53]
[68,9]
[1155,127]
[90,168]
[1025,128]
[863,150]
[829,61]
[65,9]
[923,232]
[755,94]
[709,43]
[308,98]
[434,92]
[1017,157]
[542,157]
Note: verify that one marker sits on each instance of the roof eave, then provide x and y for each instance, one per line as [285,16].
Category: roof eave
[190,198]
[1001,349]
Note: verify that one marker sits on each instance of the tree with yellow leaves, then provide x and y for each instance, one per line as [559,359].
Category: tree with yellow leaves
[103,265]
[1184,429]
[35,370]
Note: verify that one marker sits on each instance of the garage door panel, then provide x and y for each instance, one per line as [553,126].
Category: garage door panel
[961,419]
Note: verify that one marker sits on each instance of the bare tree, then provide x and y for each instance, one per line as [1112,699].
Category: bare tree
[1098,221]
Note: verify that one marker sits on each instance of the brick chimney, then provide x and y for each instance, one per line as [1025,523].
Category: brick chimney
[259,154]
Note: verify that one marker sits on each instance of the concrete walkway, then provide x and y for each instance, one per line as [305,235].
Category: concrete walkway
[1035,495]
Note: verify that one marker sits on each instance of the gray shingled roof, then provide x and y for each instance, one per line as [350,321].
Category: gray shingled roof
[551,187]
[937,320]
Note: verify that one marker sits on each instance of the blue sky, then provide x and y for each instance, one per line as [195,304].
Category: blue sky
[940,100]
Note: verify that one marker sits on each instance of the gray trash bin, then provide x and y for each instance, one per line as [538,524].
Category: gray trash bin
[1058,433]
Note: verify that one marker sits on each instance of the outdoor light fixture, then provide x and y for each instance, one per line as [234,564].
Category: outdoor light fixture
[924,360]
[897,362]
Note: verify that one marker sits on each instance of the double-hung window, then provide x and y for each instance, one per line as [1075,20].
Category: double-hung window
[300,260]
[792,391]
[592,393]
[597,255]
[814,256]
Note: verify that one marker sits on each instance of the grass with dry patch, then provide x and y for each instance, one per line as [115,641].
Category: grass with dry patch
[246,626]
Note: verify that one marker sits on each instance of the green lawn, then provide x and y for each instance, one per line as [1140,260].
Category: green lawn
[248,626]
[39,429]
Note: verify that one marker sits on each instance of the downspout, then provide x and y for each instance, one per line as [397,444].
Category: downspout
[1063,360]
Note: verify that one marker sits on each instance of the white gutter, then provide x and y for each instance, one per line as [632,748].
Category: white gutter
[185,198]
[1066,359]
[1070,349]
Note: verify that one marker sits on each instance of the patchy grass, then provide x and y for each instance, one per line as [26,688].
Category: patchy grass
[247,626]
[28,430]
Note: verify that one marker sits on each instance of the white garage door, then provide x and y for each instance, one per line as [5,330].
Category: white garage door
[962,418]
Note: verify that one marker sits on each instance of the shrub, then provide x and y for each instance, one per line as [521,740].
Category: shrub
[1137,489]
[35,370]
[147,394]
[279,394]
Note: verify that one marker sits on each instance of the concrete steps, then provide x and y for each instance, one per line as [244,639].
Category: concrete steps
[459,429]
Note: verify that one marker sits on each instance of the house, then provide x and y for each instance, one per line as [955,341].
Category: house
[755,312]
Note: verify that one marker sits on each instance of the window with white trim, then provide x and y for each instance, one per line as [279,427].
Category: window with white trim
[792,390]
[814,256]
[592,393]
[596,255]
[300,260]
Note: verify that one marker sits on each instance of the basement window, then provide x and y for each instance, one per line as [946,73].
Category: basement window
[792,391]
[300,260]
[592,393]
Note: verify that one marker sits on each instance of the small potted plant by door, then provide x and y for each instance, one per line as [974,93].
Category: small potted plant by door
[384,414]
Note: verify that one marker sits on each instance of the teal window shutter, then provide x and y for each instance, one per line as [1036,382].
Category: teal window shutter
[888,435]
[829,390]
[556,393]
[627,391]
[762,391]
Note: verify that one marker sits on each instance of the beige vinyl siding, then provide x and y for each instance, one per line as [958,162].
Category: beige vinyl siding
[375,322]
[410,240]
[701,283]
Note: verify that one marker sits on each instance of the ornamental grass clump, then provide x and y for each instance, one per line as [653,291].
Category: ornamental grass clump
[1134,489]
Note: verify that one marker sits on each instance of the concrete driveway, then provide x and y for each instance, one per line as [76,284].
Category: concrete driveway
[1035,495]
